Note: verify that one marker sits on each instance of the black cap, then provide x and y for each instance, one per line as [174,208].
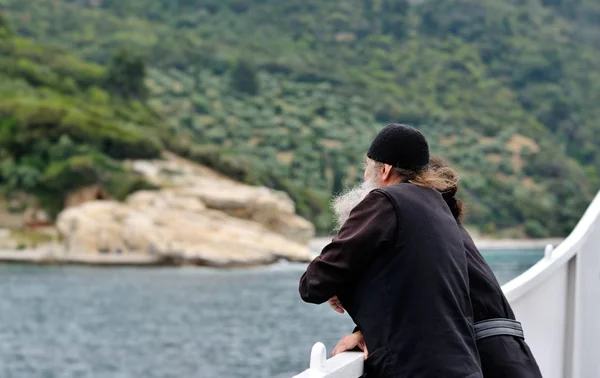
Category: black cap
[400,146]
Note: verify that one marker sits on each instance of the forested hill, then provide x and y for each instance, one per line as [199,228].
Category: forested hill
[64,124]
[289,93]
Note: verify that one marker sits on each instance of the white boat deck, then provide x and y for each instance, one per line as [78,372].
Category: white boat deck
[557,301]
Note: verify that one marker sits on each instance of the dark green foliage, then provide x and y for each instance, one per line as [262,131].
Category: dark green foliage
[394,15]
[243,78]
[534,229]
[125,75]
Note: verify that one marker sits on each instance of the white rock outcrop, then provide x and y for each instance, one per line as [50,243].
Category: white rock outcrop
[200,217]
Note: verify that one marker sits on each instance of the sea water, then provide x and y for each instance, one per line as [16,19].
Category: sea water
[62,322]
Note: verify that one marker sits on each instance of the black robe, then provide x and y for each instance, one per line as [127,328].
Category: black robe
[501,356]
[399,267]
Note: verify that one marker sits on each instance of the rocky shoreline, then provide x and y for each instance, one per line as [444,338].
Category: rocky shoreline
[195,217]
[50,256]
[43,257]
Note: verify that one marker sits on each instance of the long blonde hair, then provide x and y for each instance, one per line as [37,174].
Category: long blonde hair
[436,164]
[442,178]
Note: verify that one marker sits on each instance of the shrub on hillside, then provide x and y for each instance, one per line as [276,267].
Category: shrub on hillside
[534,229]
[244,78]
[126,75]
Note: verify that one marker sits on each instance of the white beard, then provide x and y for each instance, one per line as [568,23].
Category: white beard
[343,204]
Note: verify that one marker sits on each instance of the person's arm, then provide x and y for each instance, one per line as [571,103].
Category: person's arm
[368,230]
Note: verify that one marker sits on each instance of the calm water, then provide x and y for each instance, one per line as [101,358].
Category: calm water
[90,322]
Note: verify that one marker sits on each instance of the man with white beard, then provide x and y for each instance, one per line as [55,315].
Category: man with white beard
[398,265]
[503,351]
[343,204]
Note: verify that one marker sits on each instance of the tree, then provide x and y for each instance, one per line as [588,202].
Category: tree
[395,17]
[126,75]
[339,173]
[5,30]
[16,177]
[243,78]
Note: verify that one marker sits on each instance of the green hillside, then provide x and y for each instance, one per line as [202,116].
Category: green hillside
[60,130]
[289,93]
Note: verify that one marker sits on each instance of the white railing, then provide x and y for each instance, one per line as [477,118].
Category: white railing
[344,365]
[557,301]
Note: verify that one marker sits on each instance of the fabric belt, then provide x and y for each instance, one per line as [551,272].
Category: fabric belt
[498,327]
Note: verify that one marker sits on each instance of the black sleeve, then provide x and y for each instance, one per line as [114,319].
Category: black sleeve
[369,229]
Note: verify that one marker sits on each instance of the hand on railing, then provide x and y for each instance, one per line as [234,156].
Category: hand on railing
[343,365]
[350,342]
